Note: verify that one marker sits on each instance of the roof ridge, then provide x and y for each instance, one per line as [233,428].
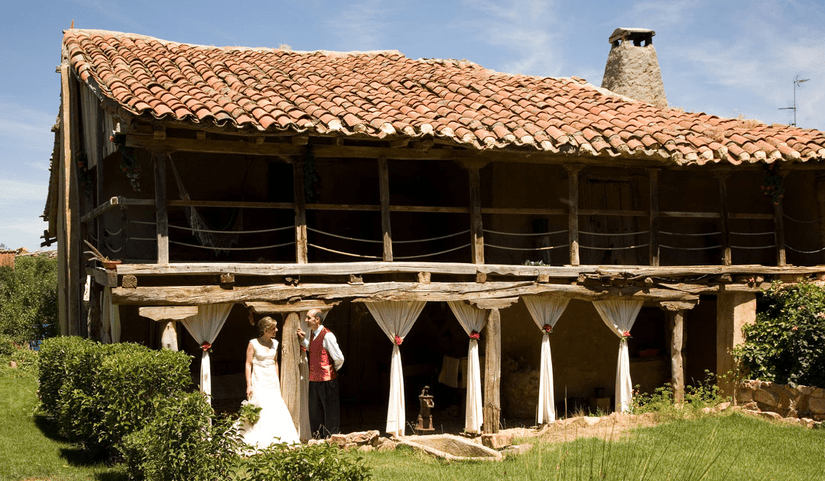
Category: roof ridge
[331,53]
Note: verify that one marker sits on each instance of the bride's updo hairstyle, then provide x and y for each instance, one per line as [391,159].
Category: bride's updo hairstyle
[265,323]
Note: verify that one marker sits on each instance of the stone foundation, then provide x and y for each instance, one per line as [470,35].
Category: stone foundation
[786,400]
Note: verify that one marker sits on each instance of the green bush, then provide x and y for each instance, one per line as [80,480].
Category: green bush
[317,461]
[28,300]
[697,397]
[787,342]
[53,369]
[98,393]
[129,383]
[183,441]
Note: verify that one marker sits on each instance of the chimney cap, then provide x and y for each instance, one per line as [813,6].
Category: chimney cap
[635,34]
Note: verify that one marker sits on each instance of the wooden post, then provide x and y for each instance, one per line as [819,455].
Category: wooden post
[677,361]
[300,212]
[476,225]
[492,372]
[291,366]
[384,185]
[654,216]
[573,212]
[161,214]
[169,336]
[723,212]
[71,258]
[779,226]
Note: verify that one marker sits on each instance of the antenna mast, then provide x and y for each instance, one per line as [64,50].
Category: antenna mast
[796,83]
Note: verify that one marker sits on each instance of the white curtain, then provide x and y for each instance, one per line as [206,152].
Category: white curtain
[619,316]
[396,318]
[472,319]
[204,327]
[546,311]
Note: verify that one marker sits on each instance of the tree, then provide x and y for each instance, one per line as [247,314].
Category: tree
[28,300]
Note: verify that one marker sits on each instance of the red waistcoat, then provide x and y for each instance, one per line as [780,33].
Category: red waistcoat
[320,364]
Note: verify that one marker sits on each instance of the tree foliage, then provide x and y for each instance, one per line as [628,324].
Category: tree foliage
[28,300]
[787,342]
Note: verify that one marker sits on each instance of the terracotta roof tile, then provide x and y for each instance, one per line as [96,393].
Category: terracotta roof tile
[384,93]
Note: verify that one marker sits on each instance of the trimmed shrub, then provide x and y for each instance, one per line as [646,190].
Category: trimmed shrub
[316,461]
[786,344]
[183,441]
[129,383]
[53,370]
[28,300]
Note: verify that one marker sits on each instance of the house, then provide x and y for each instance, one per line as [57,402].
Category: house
[540,213]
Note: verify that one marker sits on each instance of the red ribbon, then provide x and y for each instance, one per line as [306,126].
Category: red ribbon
[548,328]
[398,340]
[626,334]
[475,335]
[206,346]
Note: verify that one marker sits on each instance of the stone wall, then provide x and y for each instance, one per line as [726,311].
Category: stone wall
[787,400]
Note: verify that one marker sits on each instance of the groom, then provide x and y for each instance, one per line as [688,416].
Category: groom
[325,359]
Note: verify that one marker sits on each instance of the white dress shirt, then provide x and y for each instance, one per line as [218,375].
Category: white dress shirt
[330,344]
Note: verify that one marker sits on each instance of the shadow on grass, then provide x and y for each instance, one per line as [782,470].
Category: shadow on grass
[48,427]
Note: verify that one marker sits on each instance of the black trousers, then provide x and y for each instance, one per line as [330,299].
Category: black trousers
[324,408]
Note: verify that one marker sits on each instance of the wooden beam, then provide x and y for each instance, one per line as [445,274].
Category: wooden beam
[499,304]
[654,216]
[377,267]
[779,228]
[379,291]
[298,306]
[300,212]
[101,209]
[723,214]
[168,313]
[476,224]
[384,188]
[573,212]
[492,372]
[161,214]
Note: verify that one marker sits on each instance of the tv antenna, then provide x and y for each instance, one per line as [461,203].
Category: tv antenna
[796,83]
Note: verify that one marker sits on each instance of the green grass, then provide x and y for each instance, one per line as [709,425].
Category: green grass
[29,446]
[725,448]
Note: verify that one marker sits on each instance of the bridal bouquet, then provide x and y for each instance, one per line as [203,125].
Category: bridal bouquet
[249,412]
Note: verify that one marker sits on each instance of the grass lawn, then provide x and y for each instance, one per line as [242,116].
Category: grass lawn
[29,447]
[727,448]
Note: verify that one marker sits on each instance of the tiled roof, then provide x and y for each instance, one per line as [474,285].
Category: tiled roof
[386,95]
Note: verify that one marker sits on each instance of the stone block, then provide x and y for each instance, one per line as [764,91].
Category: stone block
[338,439]
[364,437]
[751,406]
[816,405]
[497,440]
[744,395]
[517,449]
[765,396]
[770,415]
[385,444]
[366,448]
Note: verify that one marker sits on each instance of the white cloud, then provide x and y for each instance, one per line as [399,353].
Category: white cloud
[362,25]
[530,29]
[14,191]
[26,127]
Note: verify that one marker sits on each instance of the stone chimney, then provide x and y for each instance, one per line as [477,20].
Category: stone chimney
[632,68]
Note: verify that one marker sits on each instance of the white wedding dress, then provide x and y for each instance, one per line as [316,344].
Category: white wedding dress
[275,423]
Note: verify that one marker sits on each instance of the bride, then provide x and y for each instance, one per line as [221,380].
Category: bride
[263,389]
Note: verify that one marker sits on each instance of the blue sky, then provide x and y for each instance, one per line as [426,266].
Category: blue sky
[727,58]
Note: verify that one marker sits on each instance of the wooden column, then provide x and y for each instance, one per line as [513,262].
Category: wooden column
[384,184]
[291,366]
[654,216]
[779,226]
[476,225]
[69,252]
[492,372]
[723,212]
[300,212]
[677,360]
[169,336]
[573,213]
[161,214]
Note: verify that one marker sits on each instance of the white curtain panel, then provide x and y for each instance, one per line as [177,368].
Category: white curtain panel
[546,310]
[619,316]
[471,319]
[204,327]
[396,318]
